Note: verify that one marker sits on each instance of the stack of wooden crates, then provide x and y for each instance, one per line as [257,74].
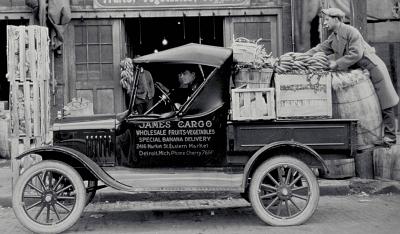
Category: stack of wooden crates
[28,74]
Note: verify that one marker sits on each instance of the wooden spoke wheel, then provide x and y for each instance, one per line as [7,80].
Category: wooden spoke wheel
[49,197]
[284,191]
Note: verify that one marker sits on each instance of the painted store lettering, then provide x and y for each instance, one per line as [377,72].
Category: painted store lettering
[149,139]
[191,132]
[151,132]
[155,125]
[194,124]
[197,138]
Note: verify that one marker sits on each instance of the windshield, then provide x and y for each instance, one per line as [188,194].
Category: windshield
[157,89]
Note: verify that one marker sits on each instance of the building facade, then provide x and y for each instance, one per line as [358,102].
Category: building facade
[102,32]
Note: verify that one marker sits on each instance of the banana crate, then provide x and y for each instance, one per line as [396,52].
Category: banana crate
[253,103]
[303,95]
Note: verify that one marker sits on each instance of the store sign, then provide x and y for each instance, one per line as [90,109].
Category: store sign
[166,3]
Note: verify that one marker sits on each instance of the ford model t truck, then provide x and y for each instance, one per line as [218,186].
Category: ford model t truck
[193,148]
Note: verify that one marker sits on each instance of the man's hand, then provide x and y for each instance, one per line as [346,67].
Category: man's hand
[333,65]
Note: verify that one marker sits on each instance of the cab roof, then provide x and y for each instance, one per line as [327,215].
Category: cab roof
[189,54]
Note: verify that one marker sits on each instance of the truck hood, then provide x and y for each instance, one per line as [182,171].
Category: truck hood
[86,122]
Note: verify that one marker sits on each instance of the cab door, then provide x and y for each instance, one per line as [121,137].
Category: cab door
[93,63]
[194,136]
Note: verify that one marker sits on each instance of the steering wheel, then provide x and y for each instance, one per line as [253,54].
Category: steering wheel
[164,91]
[163,98]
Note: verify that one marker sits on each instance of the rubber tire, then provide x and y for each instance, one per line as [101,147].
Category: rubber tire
[75,179]
[301,167]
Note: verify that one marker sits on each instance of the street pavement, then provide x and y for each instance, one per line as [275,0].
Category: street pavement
[356,213]
[346,206]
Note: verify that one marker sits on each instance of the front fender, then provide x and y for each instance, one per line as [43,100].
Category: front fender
[309,156]
[76,160]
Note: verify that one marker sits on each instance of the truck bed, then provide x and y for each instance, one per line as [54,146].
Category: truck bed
[324,135]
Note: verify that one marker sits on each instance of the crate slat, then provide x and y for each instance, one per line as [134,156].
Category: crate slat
[14,163]
[27,107]
[32,54]
[43,117]
[22,58]
[252,104]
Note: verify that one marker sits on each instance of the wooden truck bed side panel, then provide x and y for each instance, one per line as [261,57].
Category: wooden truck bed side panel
[245,136]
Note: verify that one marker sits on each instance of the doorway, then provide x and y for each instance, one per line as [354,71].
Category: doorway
[148,35]
[4,84]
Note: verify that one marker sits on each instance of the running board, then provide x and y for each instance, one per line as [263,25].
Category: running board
[171,180]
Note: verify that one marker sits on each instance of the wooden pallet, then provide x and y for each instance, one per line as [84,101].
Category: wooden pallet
[251,104]
[28,65]
[30,108]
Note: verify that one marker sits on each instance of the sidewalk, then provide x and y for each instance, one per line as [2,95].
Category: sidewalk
[327,187]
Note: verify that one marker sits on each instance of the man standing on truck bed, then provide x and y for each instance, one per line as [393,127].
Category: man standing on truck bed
[351,51]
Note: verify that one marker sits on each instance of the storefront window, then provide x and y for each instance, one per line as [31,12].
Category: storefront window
[93,52]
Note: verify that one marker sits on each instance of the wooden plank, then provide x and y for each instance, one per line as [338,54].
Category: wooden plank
[14,163]
[32,54]
[14,110]
[10,53]
[40,56]
[42,106]
[22,58]
[246,110]
[45,53]
[36,109]
[47,107]
[27,107]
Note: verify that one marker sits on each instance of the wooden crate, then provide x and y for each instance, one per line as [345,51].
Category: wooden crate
[303,95]
[28,67]
[250,104]
[253,78]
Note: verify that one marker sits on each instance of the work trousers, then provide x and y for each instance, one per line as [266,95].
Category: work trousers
[389,122]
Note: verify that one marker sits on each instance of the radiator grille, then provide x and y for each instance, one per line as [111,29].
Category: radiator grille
[100,147]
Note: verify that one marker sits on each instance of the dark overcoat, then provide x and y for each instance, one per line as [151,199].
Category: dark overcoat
[351,51]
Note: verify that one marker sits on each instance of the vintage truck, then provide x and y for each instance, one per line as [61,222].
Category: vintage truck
[194,148]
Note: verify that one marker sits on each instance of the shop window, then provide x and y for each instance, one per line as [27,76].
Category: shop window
[93,52]
[255,30]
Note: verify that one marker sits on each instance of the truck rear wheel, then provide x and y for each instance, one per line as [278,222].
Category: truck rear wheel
[284,191]
[49,197]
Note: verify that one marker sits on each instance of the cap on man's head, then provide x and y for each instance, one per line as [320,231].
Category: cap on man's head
[333,12]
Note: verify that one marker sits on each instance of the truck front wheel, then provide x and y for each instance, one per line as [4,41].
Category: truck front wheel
[284,191]
[49,197]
